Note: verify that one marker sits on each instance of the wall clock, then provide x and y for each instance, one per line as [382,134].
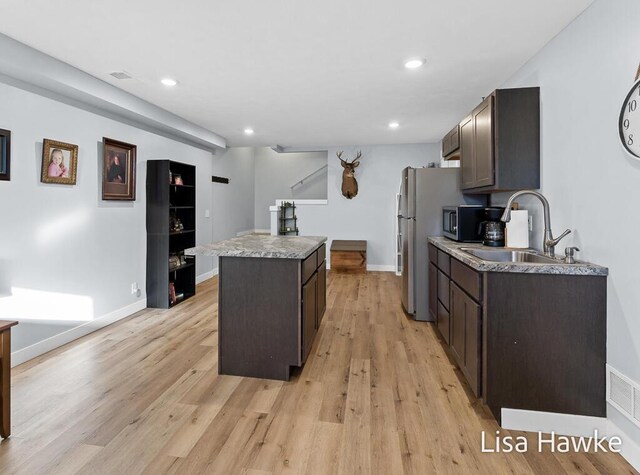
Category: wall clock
[629,121]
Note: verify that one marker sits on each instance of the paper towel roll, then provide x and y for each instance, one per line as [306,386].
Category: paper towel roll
[518,229]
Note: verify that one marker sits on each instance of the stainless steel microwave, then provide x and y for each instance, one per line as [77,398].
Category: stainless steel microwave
[462,223]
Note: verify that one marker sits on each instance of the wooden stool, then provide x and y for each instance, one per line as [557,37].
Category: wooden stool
[349,256]
[5,377]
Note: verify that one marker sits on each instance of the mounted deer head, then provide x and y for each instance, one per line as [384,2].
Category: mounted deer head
[349,183]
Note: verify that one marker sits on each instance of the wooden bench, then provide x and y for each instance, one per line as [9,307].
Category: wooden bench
[349,256]
[5,377]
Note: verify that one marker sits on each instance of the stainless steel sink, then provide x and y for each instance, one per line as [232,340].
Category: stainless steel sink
[504,255]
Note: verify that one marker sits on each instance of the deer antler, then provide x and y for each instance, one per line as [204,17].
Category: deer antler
[357,156]
[339,155]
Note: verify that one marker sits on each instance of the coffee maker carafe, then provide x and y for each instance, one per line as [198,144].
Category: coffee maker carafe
[492,228]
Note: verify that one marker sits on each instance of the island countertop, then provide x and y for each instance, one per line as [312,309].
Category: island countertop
[261,245]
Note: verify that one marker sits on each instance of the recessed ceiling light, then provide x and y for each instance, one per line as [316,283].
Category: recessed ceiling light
[248,131]
[393,125]
[169,82]
[414,63]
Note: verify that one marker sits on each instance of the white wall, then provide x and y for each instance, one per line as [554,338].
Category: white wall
[233,203]
[68,258]
[371,215]
[591,183]
[277,172]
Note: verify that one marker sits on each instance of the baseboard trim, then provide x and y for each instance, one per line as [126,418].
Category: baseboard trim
[206,276]
[547,422]
[571,425]
[373,268]
[630,449]
[379,268]
[56,341]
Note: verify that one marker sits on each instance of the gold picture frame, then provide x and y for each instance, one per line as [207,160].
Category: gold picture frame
[5,154]
[59,162]
[118,170]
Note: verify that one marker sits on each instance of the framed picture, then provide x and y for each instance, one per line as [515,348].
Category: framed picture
[59,162]
[118,170]
[5,155]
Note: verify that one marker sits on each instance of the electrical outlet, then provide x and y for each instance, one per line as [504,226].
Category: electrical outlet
[530,223]
[134,288]
[206,213]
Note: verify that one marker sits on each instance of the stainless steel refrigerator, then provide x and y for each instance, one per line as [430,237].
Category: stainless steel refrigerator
[423,193]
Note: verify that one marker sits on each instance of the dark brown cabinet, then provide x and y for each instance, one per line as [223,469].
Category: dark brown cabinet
[444,323]
[467,165]
[457,324]
[439,268]
[507,331]
[483,139]
[309,314]
[451,144]
[269,312]
[322,291]
[443,289]
[500,142]
[433,291]
[466,324]
[477,147]
[314,297]
[543,351]
[455,301]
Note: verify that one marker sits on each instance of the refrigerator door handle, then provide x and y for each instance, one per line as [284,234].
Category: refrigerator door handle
[412,274]
[411,193]
[408,271]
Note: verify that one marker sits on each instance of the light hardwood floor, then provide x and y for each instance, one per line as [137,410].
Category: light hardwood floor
[378,395]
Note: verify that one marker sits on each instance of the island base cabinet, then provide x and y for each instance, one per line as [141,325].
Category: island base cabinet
[269,311]
[258,317]
[322,293]
[309,314]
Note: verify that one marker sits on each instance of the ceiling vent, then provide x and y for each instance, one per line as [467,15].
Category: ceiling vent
[623,394]
[121,75]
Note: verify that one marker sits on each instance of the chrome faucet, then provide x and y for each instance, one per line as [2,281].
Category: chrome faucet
[548,242]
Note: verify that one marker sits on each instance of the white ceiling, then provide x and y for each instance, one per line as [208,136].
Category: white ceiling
[301,73]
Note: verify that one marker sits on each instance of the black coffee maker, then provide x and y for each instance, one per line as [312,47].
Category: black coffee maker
[492,228]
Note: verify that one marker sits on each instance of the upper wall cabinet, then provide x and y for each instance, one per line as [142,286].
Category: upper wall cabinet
[451,144]
[500,142]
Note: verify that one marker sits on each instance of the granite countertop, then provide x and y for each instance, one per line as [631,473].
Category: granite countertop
[261,245]
[453,248]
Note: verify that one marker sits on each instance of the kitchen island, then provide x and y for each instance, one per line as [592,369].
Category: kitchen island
[271,300]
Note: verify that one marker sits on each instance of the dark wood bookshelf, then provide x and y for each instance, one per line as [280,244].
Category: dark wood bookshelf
[167,201]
